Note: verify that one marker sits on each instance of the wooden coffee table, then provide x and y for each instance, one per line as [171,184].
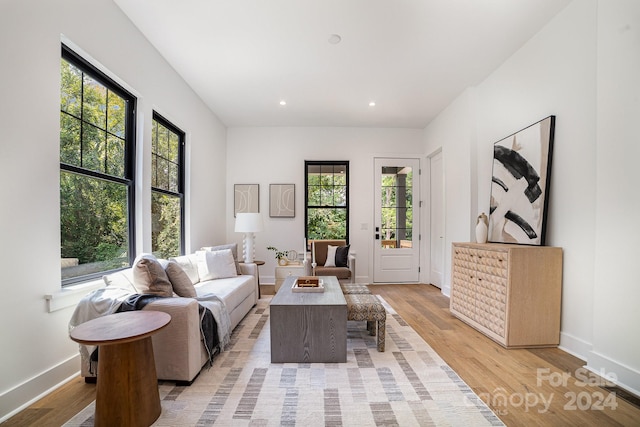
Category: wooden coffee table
[309,327]
[127,385]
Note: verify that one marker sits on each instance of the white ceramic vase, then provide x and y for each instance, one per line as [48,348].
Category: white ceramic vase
[482,228]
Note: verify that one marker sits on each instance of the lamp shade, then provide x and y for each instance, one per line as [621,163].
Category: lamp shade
[248,223]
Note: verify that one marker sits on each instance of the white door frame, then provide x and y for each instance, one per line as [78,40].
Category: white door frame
[435,273]
[398,262]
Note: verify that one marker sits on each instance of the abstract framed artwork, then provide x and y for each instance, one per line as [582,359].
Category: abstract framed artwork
[246,198]
[520,185]
[282,200]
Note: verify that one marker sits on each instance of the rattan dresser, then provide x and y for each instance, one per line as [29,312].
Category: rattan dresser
[511,293]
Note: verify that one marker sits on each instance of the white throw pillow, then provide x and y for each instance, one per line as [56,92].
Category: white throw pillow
[120,279]
[331,256]
[216,264]
[234,251]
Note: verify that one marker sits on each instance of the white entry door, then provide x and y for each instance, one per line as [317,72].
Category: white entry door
[397,220]
[436,215]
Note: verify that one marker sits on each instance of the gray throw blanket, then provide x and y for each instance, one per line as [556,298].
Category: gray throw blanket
[221,316]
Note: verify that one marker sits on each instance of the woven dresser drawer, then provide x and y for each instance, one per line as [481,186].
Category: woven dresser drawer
[511,293]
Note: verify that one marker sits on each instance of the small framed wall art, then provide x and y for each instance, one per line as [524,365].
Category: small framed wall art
[246,198]
[282,200]
[520,185]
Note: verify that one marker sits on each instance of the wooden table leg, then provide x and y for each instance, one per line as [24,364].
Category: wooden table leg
[127,385]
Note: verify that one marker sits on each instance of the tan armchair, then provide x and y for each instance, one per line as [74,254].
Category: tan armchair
[347,273]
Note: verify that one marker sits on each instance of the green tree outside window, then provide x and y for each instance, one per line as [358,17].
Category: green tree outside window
[327,210]
[96,171]
[167,172]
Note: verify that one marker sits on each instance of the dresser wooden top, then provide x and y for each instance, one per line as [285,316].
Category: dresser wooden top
[504,246]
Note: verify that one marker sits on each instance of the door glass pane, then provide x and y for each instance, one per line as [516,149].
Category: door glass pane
[397,207]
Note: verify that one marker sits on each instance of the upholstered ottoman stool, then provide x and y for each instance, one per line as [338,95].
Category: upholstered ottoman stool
[368,307]
[354,288]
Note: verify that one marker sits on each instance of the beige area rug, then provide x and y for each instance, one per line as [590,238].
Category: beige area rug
[407,385]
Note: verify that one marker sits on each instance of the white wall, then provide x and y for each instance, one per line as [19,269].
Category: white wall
[454,131]
[276,156]
[616,341]
[555,73]
[583,68]
[36,351]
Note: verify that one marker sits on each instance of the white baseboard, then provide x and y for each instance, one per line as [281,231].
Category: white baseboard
[23,395]
[446,290]
[614,371]
[574,346]
[267,280]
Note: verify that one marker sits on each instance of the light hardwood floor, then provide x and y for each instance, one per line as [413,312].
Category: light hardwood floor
[524,387]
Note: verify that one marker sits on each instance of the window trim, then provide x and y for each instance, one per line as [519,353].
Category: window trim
[181,173]
[308,163]
[130,155]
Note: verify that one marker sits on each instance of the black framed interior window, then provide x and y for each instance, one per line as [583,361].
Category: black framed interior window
[167,188]
[327,199]
[97,171]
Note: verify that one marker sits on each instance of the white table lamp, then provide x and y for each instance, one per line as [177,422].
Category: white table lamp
[248,223]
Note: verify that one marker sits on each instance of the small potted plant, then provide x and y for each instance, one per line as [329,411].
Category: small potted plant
[281,256]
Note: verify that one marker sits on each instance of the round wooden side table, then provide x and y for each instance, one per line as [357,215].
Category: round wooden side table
[127,384]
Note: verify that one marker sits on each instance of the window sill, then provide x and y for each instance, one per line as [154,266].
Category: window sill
[69,296]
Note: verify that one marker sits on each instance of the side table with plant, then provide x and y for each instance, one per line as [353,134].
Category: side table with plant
[281,256]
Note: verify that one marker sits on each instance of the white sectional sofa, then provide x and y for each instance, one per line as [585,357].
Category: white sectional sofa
[178,349]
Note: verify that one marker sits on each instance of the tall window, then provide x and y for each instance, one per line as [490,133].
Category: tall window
[167,189]
[327,199]
[97,150]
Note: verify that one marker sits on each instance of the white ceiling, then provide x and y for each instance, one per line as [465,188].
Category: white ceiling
[412,57]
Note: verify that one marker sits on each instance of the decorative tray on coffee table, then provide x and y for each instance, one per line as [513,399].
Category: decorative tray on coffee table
[307,284]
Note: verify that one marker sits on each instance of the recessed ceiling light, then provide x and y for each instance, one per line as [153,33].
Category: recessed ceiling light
[335,38]
[283,102]
[372,104]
